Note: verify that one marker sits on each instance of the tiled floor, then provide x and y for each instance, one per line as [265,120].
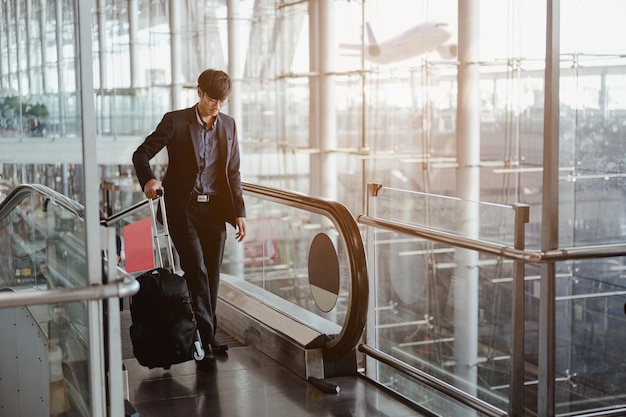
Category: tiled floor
[247,383]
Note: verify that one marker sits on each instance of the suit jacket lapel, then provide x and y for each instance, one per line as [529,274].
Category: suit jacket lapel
[222,139]
[194,133]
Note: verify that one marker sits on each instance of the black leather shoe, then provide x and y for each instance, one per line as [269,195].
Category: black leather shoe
[218,349]
[207,364]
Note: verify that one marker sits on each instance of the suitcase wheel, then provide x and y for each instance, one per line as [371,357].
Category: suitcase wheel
[198,353]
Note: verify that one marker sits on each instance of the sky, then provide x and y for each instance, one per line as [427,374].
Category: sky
[513,27]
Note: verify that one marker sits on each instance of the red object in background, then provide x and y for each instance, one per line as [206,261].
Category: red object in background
[261,246]
[259,252]
[138,246]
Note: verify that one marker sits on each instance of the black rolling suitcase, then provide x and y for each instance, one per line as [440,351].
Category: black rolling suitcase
[164,330]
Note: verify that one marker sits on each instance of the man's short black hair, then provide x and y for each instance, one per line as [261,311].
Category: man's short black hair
[216,84]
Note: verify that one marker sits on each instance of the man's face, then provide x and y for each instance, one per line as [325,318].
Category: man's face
[208,106]
[59,315]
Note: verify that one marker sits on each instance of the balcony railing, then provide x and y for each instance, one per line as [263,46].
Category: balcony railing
[456,309]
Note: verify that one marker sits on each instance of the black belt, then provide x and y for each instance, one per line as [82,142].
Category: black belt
[203,198]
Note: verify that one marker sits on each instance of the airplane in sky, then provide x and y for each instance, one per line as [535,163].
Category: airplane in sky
[425,37]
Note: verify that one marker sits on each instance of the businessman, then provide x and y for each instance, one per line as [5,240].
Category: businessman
[202,189]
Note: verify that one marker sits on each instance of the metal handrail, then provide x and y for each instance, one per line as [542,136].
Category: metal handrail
[520,256]
[450,390]
[123,287]
[347,226]
[120,215]
[618,412]
[120,288]
[508,252]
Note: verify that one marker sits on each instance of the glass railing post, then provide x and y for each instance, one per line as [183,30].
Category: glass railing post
[516,396]
[115,399]
[371,363]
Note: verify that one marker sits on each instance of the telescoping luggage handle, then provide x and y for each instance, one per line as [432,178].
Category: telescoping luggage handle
[198,353]
[166,234]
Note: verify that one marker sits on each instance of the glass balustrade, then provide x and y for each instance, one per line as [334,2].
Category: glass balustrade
[441,309]
[448,310]
[46,349]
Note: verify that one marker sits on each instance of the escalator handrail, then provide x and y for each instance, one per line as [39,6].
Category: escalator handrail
[339,345]
[17,194]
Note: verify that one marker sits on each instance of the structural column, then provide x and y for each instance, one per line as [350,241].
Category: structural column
[465,281]
[176,54]
[328,116]
[58,8]
[133,29]
[546,391]
[29,64]
[314,93]
[235,61]
[7,28]
[3,58]
[92,221]
[235,70]
[18,43]
[103,82]
[323,166]
[43,9]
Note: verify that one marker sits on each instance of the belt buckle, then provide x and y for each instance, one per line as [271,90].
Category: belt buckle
[202,198]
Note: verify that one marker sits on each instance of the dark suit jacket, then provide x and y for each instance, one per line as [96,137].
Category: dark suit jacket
[179,131]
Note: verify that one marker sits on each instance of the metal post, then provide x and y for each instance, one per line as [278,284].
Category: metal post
[114,343]
[372,366]
[364,136]
[516,395]
[549,216]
